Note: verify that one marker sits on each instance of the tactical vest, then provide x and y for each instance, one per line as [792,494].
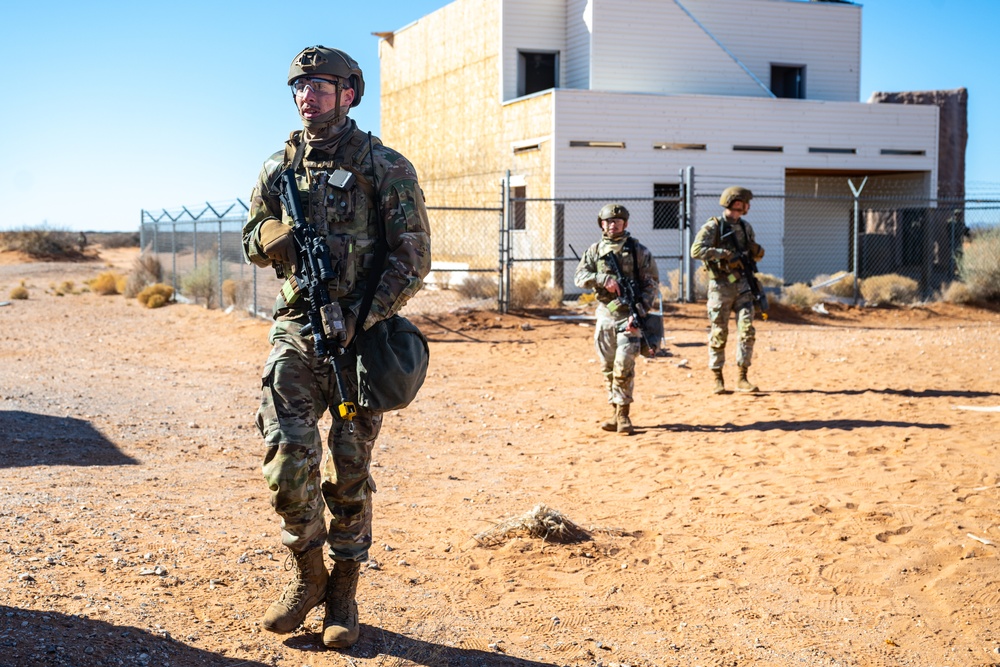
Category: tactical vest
[626,250]
[342,208]
[734,238]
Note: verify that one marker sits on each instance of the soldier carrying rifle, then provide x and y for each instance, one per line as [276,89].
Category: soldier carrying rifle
[726,244]
[619,335]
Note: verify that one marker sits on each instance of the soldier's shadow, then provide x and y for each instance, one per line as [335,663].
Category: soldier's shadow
[788,425]
[378,641]
[32,439]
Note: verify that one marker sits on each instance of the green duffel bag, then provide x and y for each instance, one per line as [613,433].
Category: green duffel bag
[392,364]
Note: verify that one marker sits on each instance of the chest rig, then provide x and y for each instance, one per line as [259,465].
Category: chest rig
[625,250]
[735,239]
[339,200]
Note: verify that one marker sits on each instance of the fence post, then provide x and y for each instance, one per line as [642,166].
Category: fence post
[220,264]
[173,254]
[503,290]
[857,238]
[686,263]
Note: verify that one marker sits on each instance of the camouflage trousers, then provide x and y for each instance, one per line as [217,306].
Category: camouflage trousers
[617,352]
[722,299]
[296,390]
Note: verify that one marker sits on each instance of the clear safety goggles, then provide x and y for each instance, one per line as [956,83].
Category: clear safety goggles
[314,83]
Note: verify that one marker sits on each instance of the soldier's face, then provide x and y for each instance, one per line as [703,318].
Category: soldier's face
[312,104]
[614,226]
[739,208]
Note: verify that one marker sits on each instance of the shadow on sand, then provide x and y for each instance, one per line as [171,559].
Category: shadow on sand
[32,439]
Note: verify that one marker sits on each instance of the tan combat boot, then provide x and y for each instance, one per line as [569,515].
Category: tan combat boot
[624,423]
[611,424]
[306,590]
[720,383]
[340,626]
[744,384]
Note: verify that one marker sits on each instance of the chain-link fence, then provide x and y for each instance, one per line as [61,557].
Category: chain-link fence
[524,251]
[200,250]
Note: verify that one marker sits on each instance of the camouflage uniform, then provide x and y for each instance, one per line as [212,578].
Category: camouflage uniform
[616,348]
[728,289]
[297,389]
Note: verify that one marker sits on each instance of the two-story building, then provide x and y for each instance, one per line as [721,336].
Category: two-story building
[613,98]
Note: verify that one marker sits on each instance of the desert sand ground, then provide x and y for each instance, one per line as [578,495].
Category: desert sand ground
[846,515]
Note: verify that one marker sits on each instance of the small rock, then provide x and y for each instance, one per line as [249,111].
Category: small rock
[373,564]
[25,577]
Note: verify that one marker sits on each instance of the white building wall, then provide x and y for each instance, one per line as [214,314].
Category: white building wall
[654,46]
[530,25]
[795,125]
[579,19]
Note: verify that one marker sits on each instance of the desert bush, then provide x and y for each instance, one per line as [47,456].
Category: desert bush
[768,280]
[700,282]
[66,287]
[19,292]
[42,242]
[105,283]
[156,301]
[156,289]
[979,265]
[201,284]
[839,284]
[890,288]
[115,239]
[236,293]
[956,292]
[800,295]
[478,286]
[146,270]
[532,289]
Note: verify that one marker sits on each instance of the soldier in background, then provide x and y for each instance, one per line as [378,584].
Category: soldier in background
[354,191]
[617,337]
[719,243]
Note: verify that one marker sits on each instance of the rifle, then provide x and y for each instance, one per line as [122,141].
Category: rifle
[629,294]
[750,271]
[312,275]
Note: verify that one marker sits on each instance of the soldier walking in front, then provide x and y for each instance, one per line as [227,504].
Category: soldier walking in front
[363,200]
[617,336]
[719,243]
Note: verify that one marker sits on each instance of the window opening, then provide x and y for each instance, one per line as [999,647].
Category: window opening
[519,219]
[788,81]
[666,214]
[537,72]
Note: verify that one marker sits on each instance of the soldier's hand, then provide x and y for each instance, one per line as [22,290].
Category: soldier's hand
[612,286]
[722,253]
[632,326]
[276,242]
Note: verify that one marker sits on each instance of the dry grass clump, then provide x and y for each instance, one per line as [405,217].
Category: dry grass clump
[478,286]
[157,293]
[20,292]
[700,282]
[66,287]
[115,239]
[202,283]
[890,288]
[957,292]
[146,270]
[236,293]
[42,242]
[769,280]
[979,265]
[541,522]
[533,290]
[799,295]
[107,282]
[840,284]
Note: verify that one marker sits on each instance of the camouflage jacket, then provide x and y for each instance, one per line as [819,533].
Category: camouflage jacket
[348,219]
[593,272]
[718,235]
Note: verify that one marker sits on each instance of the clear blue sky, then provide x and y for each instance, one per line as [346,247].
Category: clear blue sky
[112,107]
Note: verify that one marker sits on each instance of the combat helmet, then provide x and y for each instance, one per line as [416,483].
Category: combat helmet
[612,211]
[334,62]
[735,193]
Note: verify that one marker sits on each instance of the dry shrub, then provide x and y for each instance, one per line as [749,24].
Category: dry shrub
[156,301]
[201,284]
[66,287]
[533,290]
[839,284]
[121,282]
[164,292]
[42,242]
[541,522]
[957,292]
[700,282]
[800,295]
[979,265]
[115,239]
[768,280]
[890,288]
[587,298]
[105,283]
[146,270]
[19,292]
[478,286]
[236,293]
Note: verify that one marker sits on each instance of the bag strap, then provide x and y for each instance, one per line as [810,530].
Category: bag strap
[381,250]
